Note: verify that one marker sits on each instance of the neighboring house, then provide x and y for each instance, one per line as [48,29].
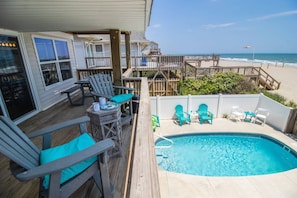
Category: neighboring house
[36,67]
[98,46]
[40,50]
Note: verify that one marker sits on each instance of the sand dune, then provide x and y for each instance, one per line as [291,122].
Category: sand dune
[284,74]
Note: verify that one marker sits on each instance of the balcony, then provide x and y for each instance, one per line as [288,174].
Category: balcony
[133,175]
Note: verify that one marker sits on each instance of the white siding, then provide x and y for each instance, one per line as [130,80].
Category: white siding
[79,50]
[48,96]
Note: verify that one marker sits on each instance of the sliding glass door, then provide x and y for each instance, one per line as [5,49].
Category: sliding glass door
[16,96]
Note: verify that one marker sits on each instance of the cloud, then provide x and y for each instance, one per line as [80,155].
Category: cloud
[292,12]
[223,25]
[156,25]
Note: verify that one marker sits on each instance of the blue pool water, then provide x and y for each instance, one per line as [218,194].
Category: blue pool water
[226,154]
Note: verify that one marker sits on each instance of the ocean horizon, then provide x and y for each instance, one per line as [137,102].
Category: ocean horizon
[286,59]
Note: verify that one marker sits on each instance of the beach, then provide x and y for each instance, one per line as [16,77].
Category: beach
[287,75]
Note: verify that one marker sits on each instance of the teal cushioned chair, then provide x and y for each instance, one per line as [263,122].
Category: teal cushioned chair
[204,114]
[78,144]
[62,169]
[102,86]
[182,116]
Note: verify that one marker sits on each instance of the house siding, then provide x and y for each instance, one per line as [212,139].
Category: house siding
[48,96]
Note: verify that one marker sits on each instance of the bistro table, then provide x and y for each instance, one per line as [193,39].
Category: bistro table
[249,115]
[194,116]
[106,123]
[85,83]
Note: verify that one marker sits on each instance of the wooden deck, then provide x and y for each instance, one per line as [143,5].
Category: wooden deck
[10,187]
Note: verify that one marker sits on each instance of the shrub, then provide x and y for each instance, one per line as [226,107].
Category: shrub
[225,83]
[291,104]
[275,96]
[279,98]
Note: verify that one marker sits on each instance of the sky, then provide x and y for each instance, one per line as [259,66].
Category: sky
[224,26]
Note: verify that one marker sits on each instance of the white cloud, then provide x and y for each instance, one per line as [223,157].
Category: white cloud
[292,12]
[156,25]
[223,25]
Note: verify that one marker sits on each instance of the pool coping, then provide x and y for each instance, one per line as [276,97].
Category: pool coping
[272,185]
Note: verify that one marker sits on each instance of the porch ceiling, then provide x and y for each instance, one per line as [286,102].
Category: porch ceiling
[75,15]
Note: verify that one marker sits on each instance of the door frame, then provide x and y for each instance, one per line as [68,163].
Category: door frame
[29,74]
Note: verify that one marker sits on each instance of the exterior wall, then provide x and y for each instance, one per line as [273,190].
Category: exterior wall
[278,113]
[48,96]
[244,101]
[79,49]
[219,105]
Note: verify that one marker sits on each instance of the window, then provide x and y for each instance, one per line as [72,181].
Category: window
[98,48]
[54,60]
[123,49]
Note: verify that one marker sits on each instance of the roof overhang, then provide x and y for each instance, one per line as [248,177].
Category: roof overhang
[75,15]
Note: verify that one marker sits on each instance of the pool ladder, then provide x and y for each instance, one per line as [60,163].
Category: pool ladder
[286,148]
[164,138]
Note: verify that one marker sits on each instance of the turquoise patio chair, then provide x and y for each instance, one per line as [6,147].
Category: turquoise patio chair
[102,86]
[182,116]
[204,114]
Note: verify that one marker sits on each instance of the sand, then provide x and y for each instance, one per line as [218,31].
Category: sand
[285,74]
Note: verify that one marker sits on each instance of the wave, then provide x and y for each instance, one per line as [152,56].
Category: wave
[270,62]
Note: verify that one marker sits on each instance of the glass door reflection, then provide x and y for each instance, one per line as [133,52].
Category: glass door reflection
[14,84]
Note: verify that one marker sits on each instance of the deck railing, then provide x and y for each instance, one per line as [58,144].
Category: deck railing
[138,62]
[260,76]
[267,81]
[191,70]
[144,62]
[85,73]
[142,171]
[189,66]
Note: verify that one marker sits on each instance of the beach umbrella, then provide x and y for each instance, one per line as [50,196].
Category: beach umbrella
[248,47]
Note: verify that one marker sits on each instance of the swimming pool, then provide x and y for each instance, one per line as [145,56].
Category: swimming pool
[224,154]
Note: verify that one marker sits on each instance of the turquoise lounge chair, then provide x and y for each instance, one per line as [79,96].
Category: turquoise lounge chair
[181,115]
[204,114]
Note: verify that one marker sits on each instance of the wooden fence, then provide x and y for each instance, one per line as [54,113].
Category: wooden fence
[163,87]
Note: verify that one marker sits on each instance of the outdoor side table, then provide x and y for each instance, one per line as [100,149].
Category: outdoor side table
[107,124]
[194,116]
[249,115]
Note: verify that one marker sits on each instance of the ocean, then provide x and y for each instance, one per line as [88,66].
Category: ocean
[288,59]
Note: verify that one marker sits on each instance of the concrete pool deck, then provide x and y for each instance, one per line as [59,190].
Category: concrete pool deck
[277,185]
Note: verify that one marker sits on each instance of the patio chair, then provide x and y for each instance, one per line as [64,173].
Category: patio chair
[102,87]
[61,169]
[204,114]
[182,116]
[261,114]
[237,113]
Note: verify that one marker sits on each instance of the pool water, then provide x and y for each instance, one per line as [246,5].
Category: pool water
[224,154]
